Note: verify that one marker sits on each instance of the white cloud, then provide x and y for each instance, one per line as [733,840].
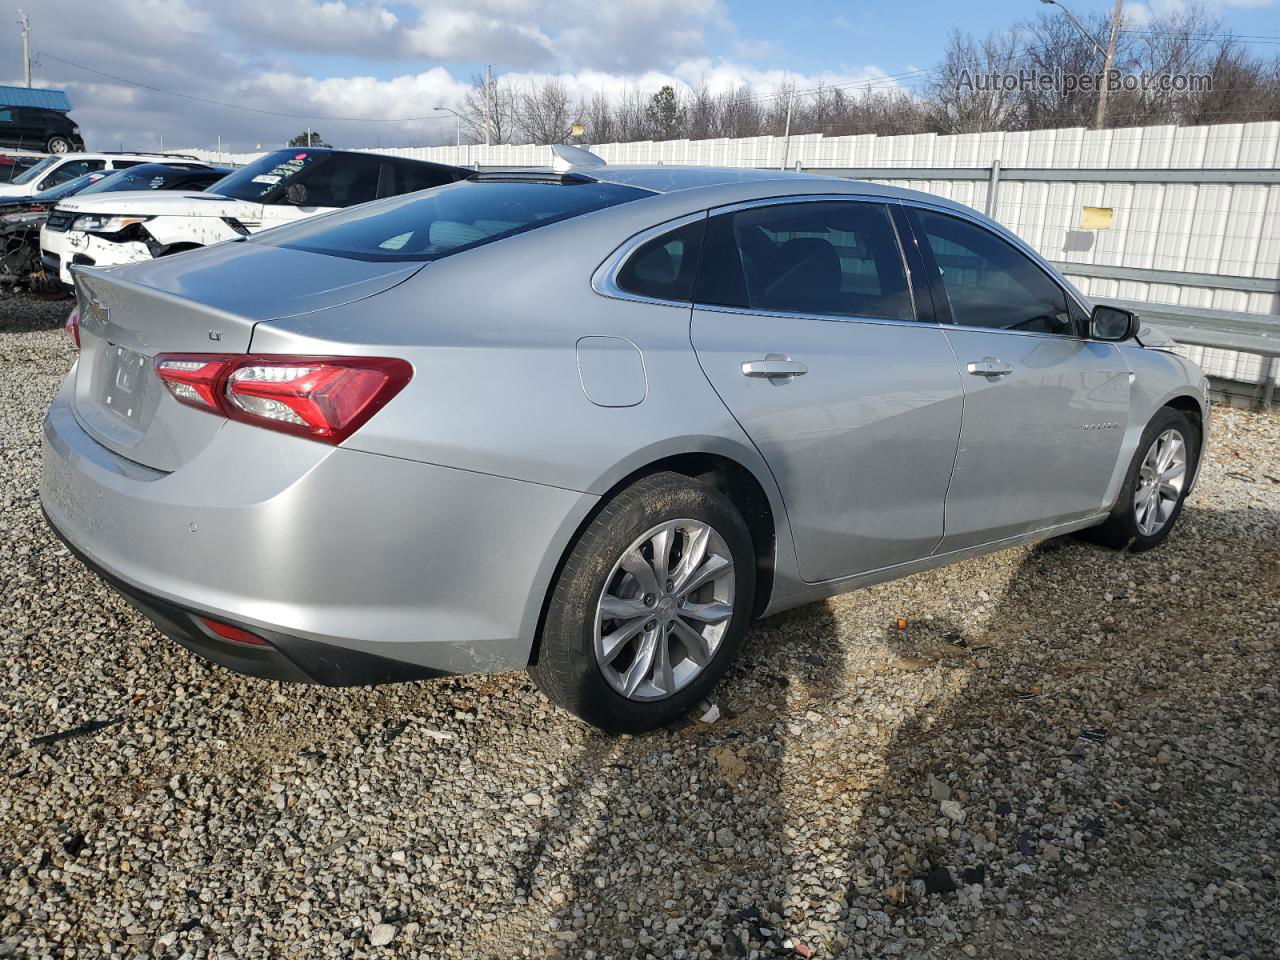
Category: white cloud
[278,56]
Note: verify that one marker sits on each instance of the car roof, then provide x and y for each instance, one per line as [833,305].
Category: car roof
[721,185]
[668,179]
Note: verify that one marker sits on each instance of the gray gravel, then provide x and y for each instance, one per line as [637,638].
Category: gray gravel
[1066,752]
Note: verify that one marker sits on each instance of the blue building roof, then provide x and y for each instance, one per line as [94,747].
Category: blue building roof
[34,97]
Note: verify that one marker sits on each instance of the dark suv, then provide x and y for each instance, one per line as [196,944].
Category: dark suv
[35,128]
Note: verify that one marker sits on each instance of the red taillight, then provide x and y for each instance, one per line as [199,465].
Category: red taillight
[73,326]
[323,398]
[227,632]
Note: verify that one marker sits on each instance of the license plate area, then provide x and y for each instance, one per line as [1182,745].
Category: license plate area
[124,383]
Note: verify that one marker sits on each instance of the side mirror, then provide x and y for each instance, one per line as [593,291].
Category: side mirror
[296,194]
[1112,324]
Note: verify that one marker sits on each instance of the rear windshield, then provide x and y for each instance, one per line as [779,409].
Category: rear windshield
[449,219]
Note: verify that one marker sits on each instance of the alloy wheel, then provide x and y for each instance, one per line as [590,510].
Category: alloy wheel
[665,607]
[1161,480]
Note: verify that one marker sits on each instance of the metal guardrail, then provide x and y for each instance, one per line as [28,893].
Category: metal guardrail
[1196,326]
[1220,329]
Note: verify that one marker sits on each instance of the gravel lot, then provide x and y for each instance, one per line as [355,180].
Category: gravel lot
[1066,752]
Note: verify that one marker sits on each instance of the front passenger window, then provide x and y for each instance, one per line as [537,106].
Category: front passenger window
[989,283]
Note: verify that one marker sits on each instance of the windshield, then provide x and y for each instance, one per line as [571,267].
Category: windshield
[145,176]
[33,173]
[439,222]
[268,176]
[69,188]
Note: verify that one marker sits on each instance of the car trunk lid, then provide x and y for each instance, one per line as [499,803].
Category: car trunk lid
[129,316]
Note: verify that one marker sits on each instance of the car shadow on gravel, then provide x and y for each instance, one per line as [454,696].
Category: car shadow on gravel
[1028,758]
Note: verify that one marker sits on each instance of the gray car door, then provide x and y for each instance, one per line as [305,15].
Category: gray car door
[804,323]
[1045,408]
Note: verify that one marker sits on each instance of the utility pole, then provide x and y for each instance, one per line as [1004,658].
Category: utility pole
[488,105]
[786,136]
[25,22]
[1101,116]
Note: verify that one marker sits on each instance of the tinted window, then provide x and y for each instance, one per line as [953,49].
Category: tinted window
[342,182]
[6,116]
[989,283]
[269,175]
[665,267]
[70,170]
[435,224]
[408,177]
[832,258]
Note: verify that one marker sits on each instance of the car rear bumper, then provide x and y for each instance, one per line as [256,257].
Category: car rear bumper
[356,568]
[282,657]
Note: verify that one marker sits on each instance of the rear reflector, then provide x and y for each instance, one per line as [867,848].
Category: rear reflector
[73,326]
[321,398]
[227,632]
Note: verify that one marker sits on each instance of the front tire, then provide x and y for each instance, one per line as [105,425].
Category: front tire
[58,145]
[650,607]
[1155,487]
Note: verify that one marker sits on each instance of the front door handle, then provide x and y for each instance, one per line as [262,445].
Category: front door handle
[990,367]
[774,367]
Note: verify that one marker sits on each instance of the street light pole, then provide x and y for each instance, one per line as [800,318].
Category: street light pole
[1108,55]
[457,122]
[1101,115]
[25,22]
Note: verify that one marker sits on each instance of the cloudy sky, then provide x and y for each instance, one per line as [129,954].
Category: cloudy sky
[380,61]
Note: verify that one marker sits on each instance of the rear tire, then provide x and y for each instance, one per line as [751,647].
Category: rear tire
[1151,499]
[588,659]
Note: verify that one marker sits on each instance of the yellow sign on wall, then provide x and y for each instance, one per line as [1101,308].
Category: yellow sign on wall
[1096,218]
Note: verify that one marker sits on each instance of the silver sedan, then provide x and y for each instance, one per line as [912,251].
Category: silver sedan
[590,423]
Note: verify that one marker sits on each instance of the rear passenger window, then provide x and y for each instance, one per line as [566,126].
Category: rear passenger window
[829,258]
[665,268]
[342,181]
[409,177]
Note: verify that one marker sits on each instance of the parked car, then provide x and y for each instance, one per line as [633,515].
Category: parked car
[38,128]
[22,217]
[592,422]
[11,165]
[278,188]
[59,168]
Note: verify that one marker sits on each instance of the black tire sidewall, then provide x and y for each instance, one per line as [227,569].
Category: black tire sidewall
[63,140]
[567,669]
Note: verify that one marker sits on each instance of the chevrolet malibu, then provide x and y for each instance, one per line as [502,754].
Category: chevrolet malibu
[590,423]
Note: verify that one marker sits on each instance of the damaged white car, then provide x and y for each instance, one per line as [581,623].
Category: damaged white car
[277,188]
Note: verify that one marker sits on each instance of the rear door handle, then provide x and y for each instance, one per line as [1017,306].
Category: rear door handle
[990,367]
[774,367]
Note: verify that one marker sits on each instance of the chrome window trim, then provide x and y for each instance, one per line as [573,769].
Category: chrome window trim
[605,279]
[829,318]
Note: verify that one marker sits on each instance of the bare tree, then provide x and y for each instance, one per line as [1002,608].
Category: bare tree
[545,110]
[740,114]
[966,95]
[597,118]
[631,115]
[500,113]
